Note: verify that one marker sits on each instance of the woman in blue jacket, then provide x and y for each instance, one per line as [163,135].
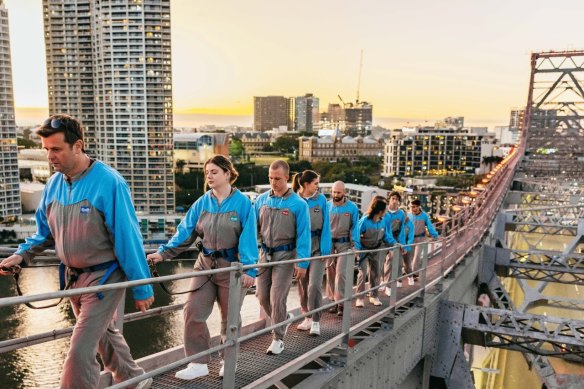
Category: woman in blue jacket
[224,219]
[373,235]
[310,281]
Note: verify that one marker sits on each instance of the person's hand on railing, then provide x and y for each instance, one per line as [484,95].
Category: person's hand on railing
[154,258]
[143,305]
[8,265]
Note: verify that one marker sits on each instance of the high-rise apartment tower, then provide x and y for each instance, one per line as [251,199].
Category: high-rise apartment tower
[109,64]
[9,181]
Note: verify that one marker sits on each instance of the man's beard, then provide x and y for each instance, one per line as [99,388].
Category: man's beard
[338,199]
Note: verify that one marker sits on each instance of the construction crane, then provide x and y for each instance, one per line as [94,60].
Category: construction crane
[340,98]
[359,80]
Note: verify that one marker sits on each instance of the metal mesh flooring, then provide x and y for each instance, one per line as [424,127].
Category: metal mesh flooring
[253,361]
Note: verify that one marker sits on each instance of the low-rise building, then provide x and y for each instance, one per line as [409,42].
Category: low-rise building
[255,142]
[332,149]
[33,165]
[434,151]
[195,148]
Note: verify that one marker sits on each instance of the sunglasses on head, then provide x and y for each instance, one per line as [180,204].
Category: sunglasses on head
[57,122]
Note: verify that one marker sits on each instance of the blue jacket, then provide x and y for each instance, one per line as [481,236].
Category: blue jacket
[90,221]
[420,221]
[229,225]
[297,218]
[405,224]
[318,202]
[369,229]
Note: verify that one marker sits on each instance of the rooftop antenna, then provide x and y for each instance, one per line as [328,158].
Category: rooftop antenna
[359,81]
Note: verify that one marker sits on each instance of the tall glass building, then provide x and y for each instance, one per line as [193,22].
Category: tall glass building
[109,64]
[9,182]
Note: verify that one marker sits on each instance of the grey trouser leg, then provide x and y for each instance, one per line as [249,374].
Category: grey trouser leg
[273,286]
[371,263]
[416,254]
[387,265]
[408,258]
[310,287]
[331,273]
[199,306]
[335,271]
[95,333]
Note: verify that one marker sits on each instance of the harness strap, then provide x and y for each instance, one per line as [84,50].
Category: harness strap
[227,254]
[344,239]
[271,250]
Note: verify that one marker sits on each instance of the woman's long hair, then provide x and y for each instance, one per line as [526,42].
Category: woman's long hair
[300,179]
[376,206]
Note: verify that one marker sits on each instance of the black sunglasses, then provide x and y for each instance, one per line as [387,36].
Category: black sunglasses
[56,123]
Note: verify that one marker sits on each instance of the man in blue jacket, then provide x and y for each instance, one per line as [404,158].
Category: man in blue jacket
[86,214]
[284,229]
[421,222]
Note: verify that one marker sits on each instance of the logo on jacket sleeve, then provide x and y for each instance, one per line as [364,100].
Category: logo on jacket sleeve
[85,210]
[285,212]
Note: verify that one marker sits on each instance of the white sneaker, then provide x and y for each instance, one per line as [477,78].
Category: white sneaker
[399,284]
[222,368]
[315,328]
[305,325]
[375,301]
[144,384]
[360,303]
[410,281]
[276,347]
[288,316]
[192,371]
[388,292]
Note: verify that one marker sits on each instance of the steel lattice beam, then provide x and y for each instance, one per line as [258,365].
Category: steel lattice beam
[537,334]
[543,199]
[540,265]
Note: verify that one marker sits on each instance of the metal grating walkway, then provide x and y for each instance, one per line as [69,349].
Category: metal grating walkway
[253,361]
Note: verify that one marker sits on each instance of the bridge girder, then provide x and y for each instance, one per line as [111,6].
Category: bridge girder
[537,334]
[540,265]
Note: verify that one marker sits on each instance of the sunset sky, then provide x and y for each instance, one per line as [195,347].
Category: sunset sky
[422,59]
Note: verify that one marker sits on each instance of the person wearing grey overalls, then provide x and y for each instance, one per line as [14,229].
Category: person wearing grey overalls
[421,222]
[86,214]
[373,235]
[283,224]
[310,281]
[224,220]
[344,218]
[402,230]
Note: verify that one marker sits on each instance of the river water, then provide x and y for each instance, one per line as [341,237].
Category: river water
[39,366]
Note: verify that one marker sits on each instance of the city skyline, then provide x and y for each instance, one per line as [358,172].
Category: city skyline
[422,61]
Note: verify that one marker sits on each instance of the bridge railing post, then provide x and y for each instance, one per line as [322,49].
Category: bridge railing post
[233,324]
[396,263]
[423,276]
[121,311]
[347,305]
